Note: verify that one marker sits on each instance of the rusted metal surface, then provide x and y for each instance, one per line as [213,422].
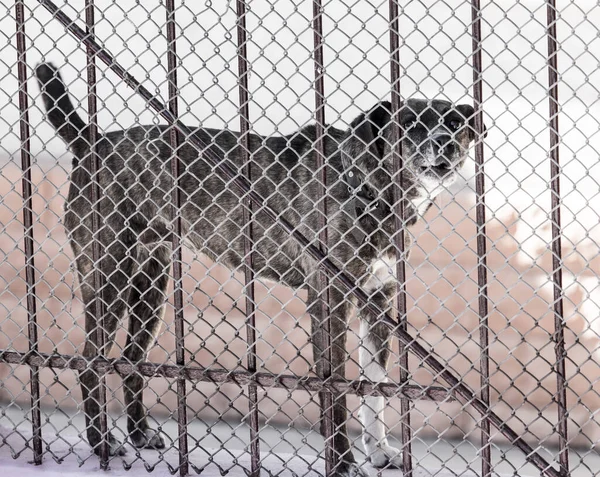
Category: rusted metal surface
[241,378]
[244,113]
[25,137]
[319,88]
[555,171]
[97,252]
[482,276]
[176,243]
[400,227]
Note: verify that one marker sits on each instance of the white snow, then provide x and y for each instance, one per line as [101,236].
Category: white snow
[70,449]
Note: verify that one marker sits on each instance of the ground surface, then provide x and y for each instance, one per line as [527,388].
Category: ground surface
[222,450]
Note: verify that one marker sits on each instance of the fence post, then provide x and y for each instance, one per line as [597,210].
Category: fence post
[323,292]
[36,420]
[97,252]
[394,19]
[244,112]
[559,323]
[176,242]
[482,278]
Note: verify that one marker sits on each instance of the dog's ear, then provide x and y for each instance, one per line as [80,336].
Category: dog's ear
[468,113]
[365,143]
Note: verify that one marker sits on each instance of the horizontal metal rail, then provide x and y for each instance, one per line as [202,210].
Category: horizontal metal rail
[241,378]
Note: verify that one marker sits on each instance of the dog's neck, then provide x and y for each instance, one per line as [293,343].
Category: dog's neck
[362,200]
[365,200]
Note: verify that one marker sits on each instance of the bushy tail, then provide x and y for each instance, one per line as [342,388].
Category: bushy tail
[60,110]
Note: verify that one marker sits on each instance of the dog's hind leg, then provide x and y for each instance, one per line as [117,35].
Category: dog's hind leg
[373,356]
[345,464]
[146,308]
[115,267]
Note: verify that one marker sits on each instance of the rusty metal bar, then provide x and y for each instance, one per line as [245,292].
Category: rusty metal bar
[176,241]
[229,171]
[36,419]
[327,412]
[559,323]
[241,378]
[244,112]
[97,253]
[482,277]
[406,433]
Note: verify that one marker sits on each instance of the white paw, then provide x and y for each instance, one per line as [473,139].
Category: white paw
[385,456]
[148,439]
[155,439]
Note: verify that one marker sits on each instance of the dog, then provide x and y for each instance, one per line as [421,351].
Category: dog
[135,229]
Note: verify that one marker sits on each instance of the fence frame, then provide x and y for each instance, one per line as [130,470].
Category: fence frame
[178,133]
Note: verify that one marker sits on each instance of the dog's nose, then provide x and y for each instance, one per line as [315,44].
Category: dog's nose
[443,146]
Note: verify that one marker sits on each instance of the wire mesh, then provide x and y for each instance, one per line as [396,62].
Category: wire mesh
[271,324]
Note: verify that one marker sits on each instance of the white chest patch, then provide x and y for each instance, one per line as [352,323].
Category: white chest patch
[381,271]
[421,202]
[430,189]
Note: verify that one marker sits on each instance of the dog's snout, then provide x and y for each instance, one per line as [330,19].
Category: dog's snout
[441,162]
[440,158]
[443,146]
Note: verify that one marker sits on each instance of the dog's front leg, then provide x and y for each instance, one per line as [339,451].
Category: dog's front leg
[344,464]
[373,356]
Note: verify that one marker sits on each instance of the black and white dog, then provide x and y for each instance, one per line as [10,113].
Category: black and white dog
[136,216]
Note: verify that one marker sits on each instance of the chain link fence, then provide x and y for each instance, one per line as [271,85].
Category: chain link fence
[317,275]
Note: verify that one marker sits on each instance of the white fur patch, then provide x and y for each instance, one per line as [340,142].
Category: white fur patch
[430,189]
[421,202]
[372,407]
[381,271]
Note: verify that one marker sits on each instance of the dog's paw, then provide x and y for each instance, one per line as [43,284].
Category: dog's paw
[148,439]
[115,447]
[386,456]
[351,469]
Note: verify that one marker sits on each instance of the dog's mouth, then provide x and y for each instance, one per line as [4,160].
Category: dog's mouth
[442,171]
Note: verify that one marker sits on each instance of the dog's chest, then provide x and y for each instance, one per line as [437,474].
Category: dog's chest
[426,192]
[421,203]
[381,271]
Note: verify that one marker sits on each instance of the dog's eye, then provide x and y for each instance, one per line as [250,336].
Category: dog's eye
[455,125]
[409,123]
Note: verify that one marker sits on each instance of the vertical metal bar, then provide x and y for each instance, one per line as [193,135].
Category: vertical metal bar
[482,278]
[36,420]
[176,241]
[98,279]
[399,238]
[319,86]
[559,324]
[244,111]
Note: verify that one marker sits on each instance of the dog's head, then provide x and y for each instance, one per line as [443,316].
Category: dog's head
[435,144]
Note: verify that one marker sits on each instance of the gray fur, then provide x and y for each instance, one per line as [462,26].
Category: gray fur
[135,206]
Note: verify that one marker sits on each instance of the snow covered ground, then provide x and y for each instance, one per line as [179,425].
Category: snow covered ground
[226,442]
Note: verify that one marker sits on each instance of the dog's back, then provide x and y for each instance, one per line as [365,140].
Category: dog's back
[136,186]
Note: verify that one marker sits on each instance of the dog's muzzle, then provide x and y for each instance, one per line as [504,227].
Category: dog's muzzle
[440,158]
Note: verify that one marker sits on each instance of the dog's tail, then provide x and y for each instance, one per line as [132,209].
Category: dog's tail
[60,111]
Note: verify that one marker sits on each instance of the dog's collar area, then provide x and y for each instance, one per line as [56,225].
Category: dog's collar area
[363,200]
